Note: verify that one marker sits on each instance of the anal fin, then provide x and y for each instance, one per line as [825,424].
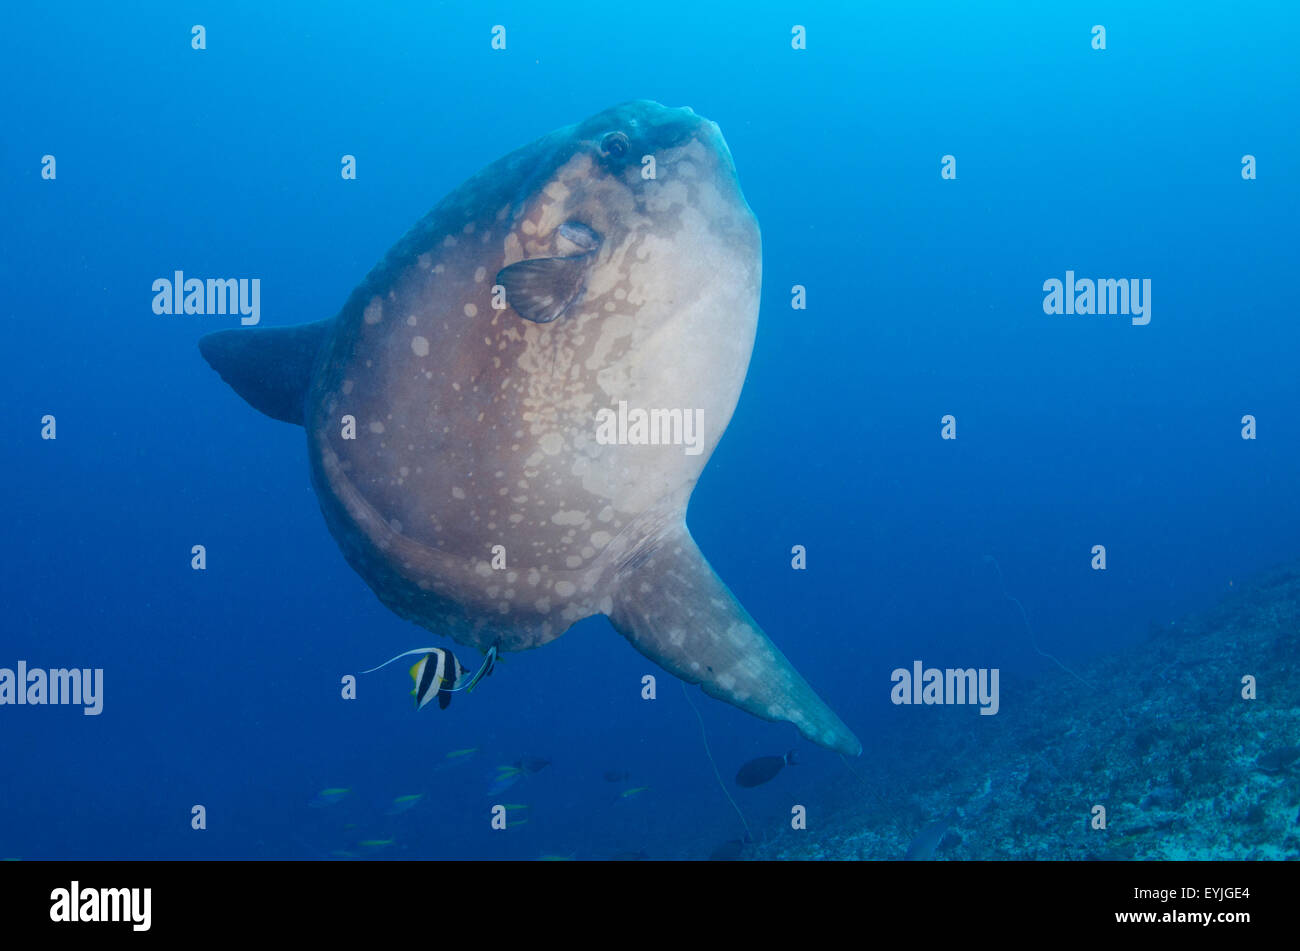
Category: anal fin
[676,611]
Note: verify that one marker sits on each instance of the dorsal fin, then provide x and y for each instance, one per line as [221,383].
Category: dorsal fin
[270,367]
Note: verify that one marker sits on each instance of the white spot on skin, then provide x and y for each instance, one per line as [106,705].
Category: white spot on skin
[374,312]
[573,561]
[612,330]
[479,275]
[551,443]
[601,539]
[514,251]
[347,387]
[457,492]
[565,588]
[569,518]
[677,637]
[471,310]
[376,428]
[420,346]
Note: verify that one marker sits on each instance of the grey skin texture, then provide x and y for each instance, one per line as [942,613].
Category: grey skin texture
[476,426]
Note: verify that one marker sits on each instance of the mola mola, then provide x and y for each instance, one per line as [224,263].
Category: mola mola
[454,407]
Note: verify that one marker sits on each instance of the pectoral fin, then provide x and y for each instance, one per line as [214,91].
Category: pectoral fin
[675,610]
[541,289]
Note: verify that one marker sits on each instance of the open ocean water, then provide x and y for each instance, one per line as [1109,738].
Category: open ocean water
[1022,401]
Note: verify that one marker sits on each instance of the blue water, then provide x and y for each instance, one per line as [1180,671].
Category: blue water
[924,299]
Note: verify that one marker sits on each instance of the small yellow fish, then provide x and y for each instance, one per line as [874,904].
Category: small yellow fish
[512,806]
[457,754]
[404,803]
[330,797]
[555,858]
[376,843]
[634,791]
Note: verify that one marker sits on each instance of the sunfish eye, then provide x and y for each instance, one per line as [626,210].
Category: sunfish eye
[614,144]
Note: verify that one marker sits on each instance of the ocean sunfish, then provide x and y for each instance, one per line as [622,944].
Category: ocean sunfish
[507,418]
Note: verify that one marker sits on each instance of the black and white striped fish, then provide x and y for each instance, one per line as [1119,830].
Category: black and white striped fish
[436,674]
